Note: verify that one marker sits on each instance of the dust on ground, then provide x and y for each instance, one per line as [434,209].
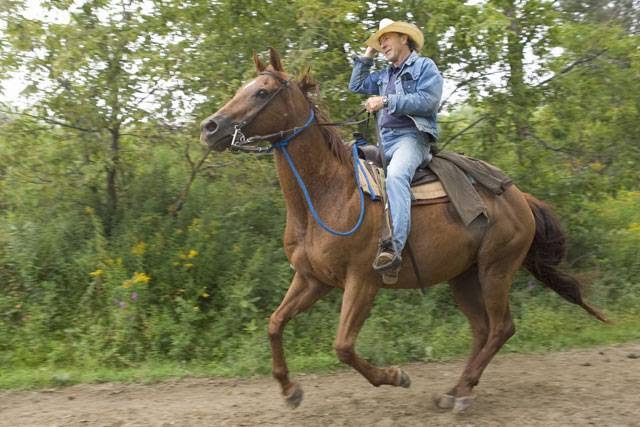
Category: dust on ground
[598,386]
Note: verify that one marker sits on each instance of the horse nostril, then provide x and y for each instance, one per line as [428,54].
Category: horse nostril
[211,126]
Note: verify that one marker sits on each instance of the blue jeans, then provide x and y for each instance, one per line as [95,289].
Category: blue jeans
[404,149]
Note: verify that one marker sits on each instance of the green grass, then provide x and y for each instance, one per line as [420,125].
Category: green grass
[540,328]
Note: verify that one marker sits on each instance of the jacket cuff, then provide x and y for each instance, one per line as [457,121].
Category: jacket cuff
[363,60]
[392,103]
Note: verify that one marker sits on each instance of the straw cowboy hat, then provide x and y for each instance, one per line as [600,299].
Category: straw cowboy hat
[389,26]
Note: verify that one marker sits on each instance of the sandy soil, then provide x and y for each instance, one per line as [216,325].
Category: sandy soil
[599,387]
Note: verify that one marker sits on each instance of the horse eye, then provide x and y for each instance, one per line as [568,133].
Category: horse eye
[262,93]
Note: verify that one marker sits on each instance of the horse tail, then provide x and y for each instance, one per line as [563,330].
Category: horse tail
[547,251]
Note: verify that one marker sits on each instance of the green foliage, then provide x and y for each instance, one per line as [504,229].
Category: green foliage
[99,270]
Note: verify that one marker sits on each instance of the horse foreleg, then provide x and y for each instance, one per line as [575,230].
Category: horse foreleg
[356,306]
[302,294]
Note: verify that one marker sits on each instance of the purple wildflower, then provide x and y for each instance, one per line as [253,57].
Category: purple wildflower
[134,296]
[122,304]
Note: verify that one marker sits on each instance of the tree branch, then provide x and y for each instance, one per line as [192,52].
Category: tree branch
[571,66]
[464,83]
[182,197]
[51,121]
[550,147]
[462,132]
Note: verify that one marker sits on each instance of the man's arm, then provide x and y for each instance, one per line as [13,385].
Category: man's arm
[362,80]
[426,98]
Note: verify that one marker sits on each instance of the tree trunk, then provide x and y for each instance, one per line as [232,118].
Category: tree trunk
[112,193]
[516,83]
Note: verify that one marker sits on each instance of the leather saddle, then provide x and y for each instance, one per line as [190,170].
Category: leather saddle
[371,153]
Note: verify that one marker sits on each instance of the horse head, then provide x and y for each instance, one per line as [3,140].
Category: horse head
[264,105]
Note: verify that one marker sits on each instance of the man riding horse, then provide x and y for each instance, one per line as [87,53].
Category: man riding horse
[478,260]
[407,93]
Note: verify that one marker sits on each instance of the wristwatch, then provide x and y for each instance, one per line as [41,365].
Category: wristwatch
[385,101]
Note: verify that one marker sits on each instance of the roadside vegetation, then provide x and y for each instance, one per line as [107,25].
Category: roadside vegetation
[122,260]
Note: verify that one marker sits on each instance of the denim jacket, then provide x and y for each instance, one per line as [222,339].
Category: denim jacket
[418,89]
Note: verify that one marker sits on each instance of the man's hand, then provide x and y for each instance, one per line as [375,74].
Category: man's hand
[373,104]
[370,52]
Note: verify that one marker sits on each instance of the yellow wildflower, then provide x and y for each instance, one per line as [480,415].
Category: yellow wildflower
[139,248]
[191,254]
[141,278]
[98,273]
[137,278]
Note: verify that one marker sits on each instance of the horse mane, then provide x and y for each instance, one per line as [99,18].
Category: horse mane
[309,88]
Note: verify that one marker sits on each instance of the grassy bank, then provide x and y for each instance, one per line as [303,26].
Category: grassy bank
[404,327]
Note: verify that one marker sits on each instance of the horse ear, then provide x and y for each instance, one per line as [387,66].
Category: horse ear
[260,67]
[306,82]
[275,60]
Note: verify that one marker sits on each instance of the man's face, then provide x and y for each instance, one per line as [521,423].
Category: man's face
[394,46]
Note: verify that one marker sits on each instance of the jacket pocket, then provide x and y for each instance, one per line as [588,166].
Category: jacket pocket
[408,83]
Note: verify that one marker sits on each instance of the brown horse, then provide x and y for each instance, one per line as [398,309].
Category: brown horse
[478,261]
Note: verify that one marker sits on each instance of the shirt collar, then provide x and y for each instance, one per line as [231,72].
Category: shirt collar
[407,61]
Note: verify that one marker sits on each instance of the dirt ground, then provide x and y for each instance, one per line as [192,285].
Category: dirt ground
[599,387]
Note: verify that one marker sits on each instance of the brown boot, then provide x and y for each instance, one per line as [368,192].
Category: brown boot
[387,263]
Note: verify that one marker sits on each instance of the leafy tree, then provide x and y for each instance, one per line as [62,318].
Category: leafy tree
[99,72]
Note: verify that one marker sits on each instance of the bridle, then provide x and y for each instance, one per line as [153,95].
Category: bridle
[240,142]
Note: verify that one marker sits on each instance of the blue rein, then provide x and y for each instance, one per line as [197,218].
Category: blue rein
[282,146]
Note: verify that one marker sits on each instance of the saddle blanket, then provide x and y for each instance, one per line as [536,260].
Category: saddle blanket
[371,177]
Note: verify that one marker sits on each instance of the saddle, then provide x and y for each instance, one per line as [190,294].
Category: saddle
[449,177]
[371,154]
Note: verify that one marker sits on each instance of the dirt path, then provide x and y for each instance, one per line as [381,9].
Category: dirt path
[599,387]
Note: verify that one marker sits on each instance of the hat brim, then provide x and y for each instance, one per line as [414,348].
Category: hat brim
[410,30]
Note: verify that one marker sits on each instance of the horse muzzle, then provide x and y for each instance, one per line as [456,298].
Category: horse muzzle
[216,132]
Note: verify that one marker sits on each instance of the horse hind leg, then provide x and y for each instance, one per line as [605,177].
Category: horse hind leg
[467,293]
[495,282]
[302,294]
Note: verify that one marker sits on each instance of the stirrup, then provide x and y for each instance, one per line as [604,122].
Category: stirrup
[391,277]
[387,260]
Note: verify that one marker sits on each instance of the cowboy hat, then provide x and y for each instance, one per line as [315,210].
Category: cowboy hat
[389,26]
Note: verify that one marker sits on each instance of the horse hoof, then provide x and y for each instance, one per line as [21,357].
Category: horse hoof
[294,397]
[462,404]
[444,401]
[403,379]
